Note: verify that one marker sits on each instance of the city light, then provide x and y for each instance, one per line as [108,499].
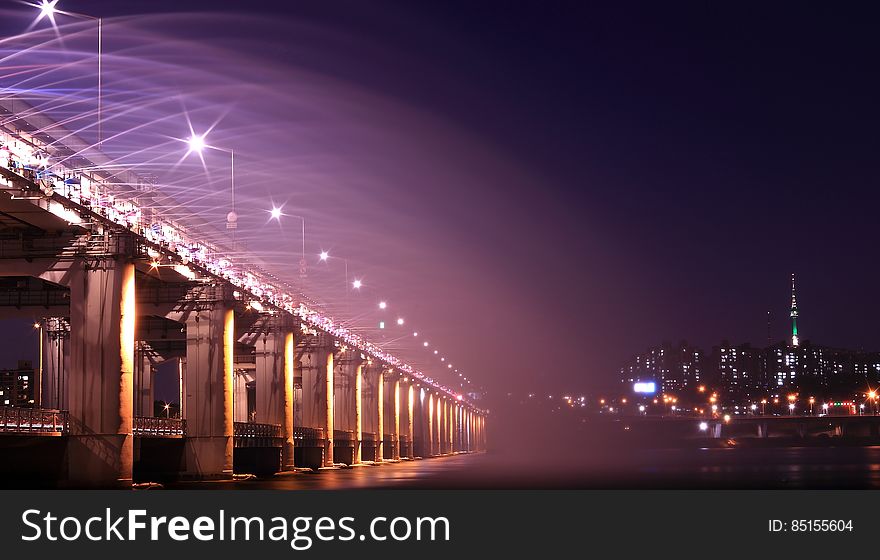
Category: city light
[357,284]
[382,305]
[324,255]
[400,321]
[704,426]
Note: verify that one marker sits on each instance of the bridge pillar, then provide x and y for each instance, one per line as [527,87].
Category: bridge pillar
[102,320]
[430,422]
[418,421]
[347,406]
[239,396]
[391,415]
[143,381]
[469,430]
[438,424]
[55,362]
[210,339]
[405,411]
[456,428]
[372,410]
[317,376]
[450,407]
[274,380]
[441,425]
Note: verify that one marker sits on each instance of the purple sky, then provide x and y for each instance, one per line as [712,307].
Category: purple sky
[542,191]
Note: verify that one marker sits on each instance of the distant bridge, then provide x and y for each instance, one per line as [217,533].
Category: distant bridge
[119,290]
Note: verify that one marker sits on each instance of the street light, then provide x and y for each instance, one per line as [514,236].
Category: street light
[275,213]
[791,408]
[197,144]
[48,9]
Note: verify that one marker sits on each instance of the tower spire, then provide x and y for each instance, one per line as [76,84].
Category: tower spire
[794,314]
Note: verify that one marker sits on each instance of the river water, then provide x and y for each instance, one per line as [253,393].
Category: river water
[699,468]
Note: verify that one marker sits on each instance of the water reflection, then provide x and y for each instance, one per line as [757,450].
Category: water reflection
[789,467]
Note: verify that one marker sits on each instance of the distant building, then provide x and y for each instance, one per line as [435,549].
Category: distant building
[17,386]
[741,373]
[738,369]
[671,367]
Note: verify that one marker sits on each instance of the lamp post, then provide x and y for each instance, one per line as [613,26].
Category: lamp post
[197,144]
[48,10]
[275,214]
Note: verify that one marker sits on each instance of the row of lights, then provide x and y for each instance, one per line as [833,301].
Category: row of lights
[197,143]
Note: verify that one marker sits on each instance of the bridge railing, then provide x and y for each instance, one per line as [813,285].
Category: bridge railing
[344,438]
[158,427]
[252,434]
[308,437]
[33,420]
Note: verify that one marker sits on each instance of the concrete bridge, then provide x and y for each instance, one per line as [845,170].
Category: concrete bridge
[116,290]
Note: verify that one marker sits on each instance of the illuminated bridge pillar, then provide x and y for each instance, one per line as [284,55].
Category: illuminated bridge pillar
[274,380]
[443,426]
[391,413]
[317,400]
[102,323]
[468,431]
[448,425]
[210,340]
[347,407]
[55,362]
[430,423]
[239,395]
[143,381]
[407,408]
[372,411]
[419,404]
[456,424]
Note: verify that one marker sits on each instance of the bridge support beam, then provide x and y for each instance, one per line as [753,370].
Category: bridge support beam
[468,431]
[372,410]
[102,323]
[274,380]
[55,362]
[239,396]
[391,414]
[431,422]
[347,406]
[407,408]
[418,422]
[317,383]
[210,339]
[143,381]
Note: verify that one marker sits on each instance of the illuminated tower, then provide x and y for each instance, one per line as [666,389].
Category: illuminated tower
[794,314]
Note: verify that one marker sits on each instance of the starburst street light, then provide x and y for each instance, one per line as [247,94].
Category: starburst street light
[196,143]
[48,9]
[400,321]
[357,284]
[324,255]
[275,213]
[382,305]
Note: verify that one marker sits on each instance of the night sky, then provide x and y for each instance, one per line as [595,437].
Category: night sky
[643,173]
